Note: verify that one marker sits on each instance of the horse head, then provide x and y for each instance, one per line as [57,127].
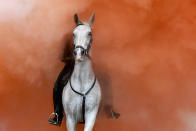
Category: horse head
[82,37]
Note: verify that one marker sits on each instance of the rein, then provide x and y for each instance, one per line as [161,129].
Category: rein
[84,97]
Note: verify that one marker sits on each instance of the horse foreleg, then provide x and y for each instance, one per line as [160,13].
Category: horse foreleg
[70,123]
[90,118]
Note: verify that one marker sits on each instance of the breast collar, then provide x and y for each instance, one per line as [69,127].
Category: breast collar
[84,97]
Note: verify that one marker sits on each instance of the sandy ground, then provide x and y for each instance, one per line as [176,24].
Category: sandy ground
[145,49]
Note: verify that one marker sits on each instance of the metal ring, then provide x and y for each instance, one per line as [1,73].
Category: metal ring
[54,114]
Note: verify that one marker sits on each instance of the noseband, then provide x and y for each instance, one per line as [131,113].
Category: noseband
[85,50]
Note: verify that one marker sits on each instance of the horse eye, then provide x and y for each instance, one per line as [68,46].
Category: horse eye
[90,34]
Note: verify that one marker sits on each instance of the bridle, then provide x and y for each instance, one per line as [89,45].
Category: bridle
[86,51]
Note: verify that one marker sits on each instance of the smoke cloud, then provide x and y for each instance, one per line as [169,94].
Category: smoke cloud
[144,49]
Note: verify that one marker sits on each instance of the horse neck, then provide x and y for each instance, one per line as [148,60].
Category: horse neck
[82,75]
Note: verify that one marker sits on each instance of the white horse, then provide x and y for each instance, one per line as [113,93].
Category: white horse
[82,94]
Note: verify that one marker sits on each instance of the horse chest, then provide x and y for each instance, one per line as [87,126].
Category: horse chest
[73,101]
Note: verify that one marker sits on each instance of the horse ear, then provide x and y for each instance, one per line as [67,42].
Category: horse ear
[76,19]
[91,20]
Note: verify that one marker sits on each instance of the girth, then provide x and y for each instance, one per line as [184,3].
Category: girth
[84,97]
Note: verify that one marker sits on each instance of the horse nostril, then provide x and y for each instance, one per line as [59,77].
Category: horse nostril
[82,52]
[75,53]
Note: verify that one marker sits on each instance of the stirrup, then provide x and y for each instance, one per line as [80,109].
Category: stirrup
[56,116]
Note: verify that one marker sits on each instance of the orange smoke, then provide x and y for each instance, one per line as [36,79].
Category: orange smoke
[145,49]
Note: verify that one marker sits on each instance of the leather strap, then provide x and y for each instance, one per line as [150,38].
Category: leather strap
[84,97]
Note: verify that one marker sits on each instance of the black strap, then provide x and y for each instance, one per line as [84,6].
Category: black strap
[84,97]
[79,46]
[85,50]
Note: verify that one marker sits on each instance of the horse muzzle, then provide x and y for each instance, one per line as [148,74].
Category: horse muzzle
[79,54]
[79,57]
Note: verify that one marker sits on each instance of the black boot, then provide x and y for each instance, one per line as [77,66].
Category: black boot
[55,119]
